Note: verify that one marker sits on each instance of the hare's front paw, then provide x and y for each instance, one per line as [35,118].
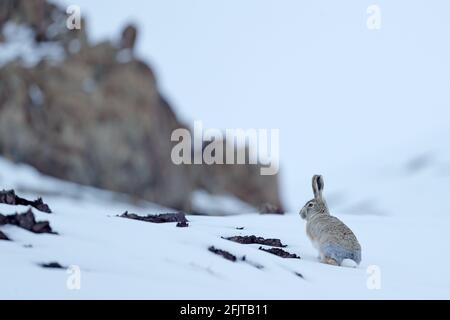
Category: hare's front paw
[330,261]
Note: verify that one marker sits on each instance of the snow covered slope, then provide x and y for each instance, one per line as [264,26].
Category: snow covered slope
[126,259]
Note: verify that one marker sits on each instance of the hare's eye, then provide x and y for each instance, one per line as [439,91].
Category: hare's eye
[310,205]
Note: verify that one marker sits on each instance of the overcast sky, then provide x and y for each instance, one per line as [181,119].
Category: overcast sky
[334,88]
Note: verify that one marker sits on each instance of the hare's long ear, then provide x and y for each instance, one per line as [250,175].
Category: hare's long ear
[317,185]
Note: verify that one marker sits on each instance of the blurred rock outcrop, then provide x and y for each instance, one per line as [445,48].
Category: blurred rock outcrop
[129,36]
[92,114]
[245,181]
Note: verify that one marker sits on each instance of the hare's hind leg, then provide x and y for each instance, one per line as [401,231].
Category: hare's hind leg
[330,261]
[327,260]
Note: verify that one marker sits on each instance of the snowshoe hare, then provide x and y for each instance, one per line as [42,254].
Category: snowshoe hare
[336,243]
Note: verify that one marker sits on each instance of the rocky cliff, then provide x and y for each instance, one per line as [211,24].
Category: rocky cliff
[91,113]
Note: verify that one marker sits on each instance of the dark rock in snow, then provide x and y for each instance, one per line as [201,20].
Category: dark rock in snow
[258,240]
[280,252]
[27,221]
[10,197]
[3,236]
[182,224]
[52,265]
[254,264]
[180,218]
[232,257]
[223,253]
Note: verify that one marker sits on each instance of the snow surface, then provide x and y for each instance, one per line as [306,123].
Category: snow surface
[127,259]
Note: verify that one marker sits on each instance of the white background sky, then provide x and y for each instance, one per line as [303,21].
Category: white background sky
[335,89]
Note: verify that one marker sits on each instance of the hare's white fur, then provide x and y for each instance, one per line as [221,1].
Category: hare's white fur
[336,243]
